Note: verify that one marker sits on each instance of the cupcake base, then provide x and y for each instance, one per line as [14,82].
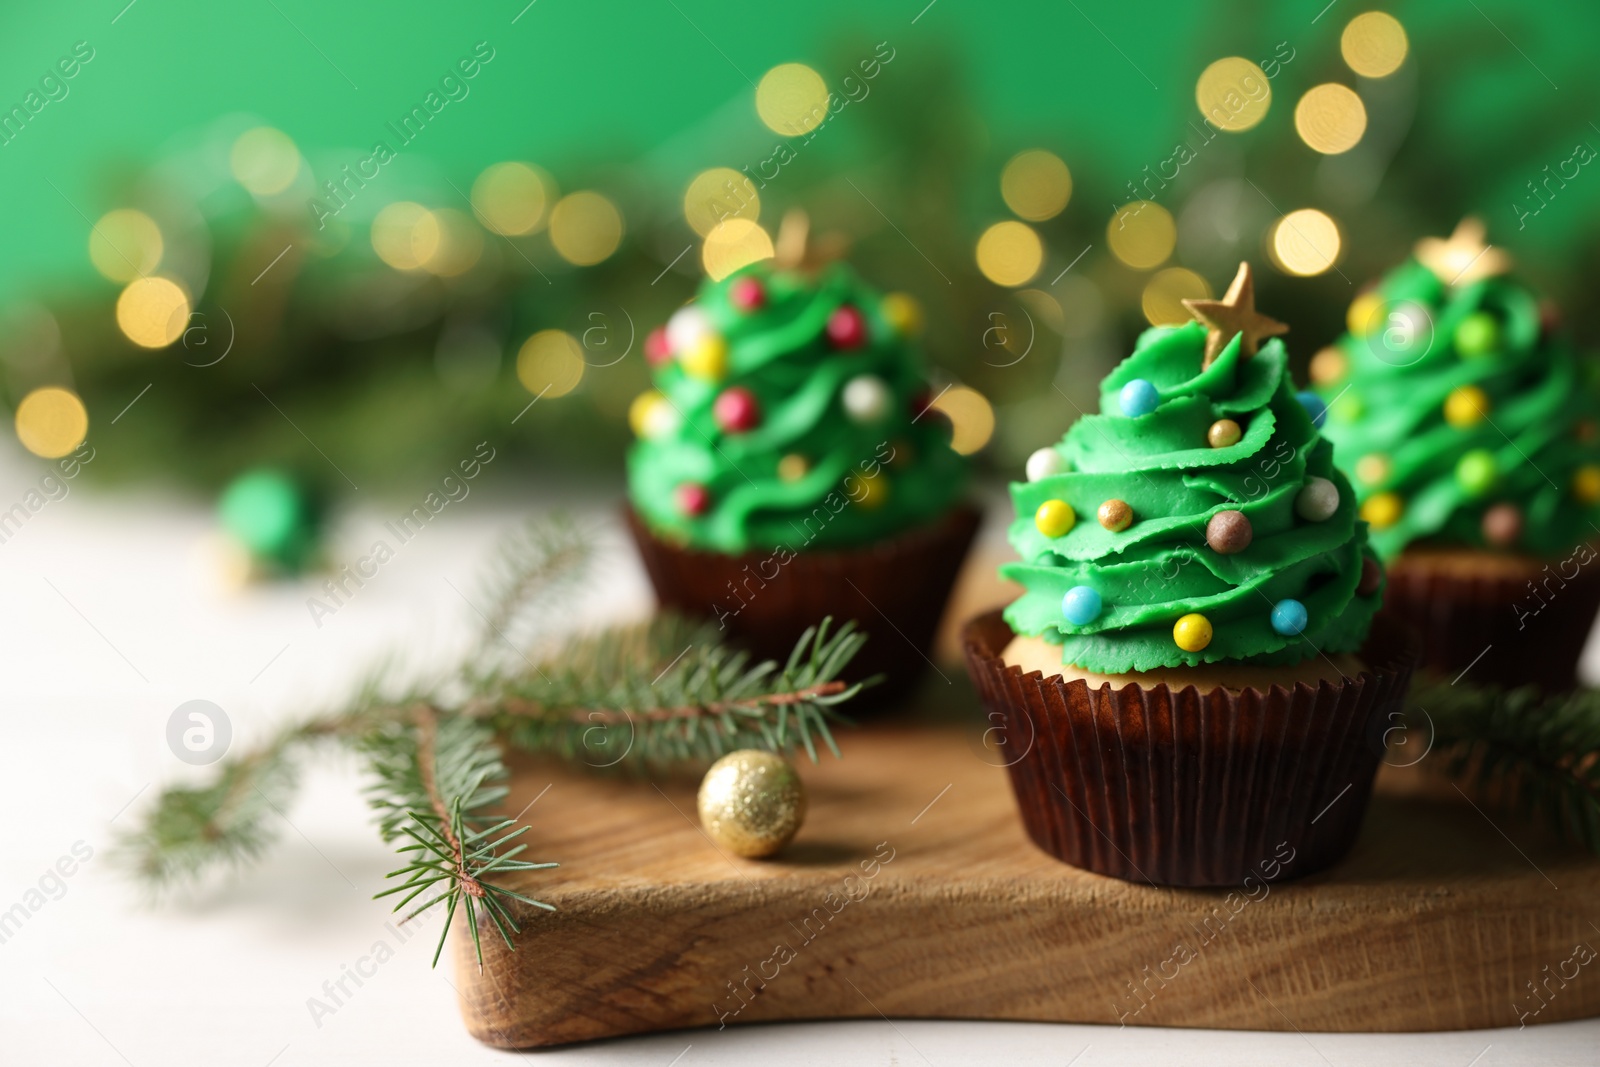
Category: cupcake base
[1497,619]
[1190,788]
[894,590]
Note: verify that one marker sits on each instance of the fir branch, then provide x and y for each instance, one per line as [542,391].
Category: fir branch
[434,774]
[705,701]
[539,560]
[1534,754]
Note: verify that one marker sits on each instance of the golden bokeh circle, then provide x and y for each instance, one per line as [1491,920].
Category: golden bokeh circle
[971,418]
[1162,300]
[406,235]
[550,363]
[585,228]
[1233,94]
[717,195]
[1305,242]
[153,312]
[1036,185]
[264,161]
[51,422]
[459,246]
[1010,253]
[792,99]
[1374,44]
[125,244]
[1330,118]
[511,198]
[1142,234]
[732,244]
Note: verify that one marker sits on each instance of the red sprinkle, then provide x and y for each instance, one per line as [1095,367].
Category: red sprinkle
[693,498]
[1371,576]
[737,410]
[656,349]
[748,294]
[847,328]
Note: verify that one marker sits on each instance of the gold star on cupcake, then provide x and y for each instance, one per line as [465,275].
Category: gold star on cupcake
[1234,314]
[1462,258]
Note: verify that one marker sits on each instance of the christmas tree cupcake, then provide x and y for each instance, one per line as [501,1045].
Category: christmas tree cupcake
[1469,431]
[1186,686]
[788,467]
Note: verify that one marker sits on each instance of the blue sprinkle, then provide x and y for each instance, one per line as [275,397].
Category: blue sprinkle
[1289,617]
[1081,605]
[1139,397]
[1314,407]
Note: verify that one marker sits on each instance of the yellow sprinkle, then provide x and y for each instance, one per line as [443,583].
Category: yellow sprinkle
[1328,366]
[644,414]
[903,313]
[1346,409]
[1054,518]
[1465,405]
[1192,632]
[874,490]
[793,467]
[1373,468]
[1586,484]
[707,358]
[1383,510]
[1363,316]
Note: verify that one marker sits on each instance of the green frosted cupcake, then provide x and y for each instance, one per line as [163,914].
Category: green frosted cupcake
[1468,426]
[789,466]
[1188,673]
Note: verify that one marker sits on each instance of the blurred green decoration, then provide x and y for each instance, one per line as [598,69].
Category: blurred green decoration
[275,518]
[372,292]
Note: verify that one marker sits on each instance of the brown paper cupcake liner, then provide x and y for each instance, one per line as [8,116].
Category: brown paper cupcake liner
[894,590]
[1188,788]
[1510,626]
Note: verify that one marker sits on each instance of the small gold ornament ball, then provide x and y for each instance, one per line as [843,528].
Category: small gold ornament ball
[752,802]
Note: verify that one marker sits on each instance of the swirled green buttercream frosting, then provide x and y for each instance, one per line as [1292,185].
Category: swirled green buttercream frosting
[1283,575]
[1462,416]
[789,410]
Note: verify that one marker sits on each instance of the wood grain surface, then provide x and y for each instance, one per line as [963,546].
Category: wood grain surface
[912,891]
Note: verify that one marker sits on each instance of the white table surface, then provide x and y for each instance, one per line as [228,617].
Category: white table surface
[111,615]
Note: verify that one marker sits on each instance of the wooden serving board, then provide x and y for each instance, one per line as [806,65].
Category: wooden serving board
[912,891]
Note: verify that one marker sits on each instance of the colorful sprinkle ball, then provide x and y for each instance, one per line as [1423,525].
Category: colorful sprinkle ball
[1502,525]
[847,328]
[1477,335]
[706,359]
[1138,397]
[693,498]
[1476,472]
[748,294]
[1317,500]
[903,313]
[1223,433]
[1081,605]
[1346,409]
[1364,314]
[736,410]
[874,490]
[1288,617]
[687,326]
[1192,632]
[656,349]
[1229,532]
[1115,515]
[793,467]
[1044,463]
[1383,510]
[1314,407]
[1054,518]
[866,398]
[1328,366]
[650,415]
[1586,483]
[1373,468]
[1371,576]
[1465,405]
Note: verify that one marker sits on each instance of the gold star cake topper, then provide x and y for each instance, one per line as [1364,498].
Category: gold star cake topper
[1463,258]
[1234,314]
[797,249]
